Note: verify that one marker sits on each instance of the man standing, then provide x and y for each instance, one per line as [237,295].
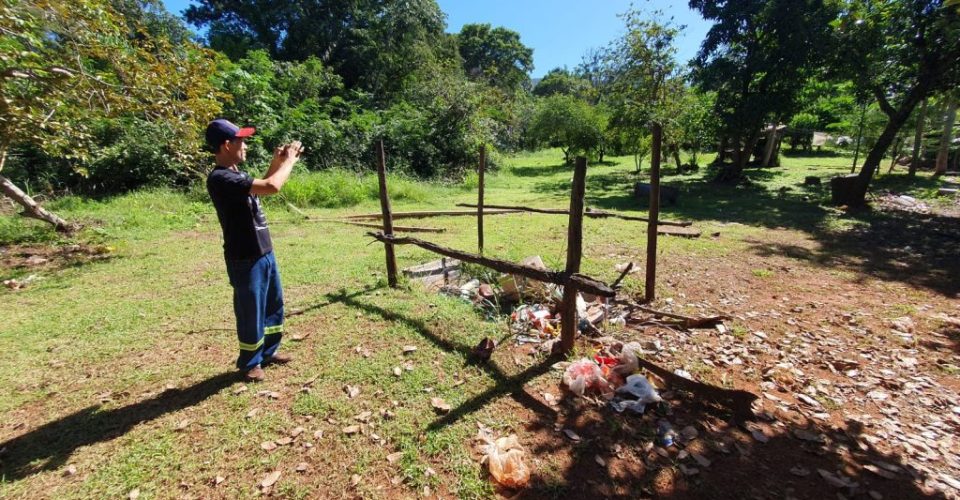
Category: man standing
[248,250]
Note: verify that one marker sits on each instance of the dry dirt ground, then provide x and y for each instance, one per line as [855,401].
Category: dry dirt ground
[836,377]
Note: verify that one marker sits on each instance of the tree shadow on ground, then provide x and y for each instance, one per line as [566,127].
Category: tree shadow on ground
[507,384]
[788,464]
[892,245]
[542,170]
[51,445]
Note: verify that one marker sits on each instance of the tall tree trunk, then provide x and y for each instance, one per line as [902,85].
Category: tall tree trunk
[722,151]
[676,159]
[30,207]
[945,138]
[897,117]
[918,139]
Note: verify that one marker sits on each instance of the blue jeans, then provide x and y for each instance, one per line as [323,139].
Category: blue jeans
[258,305]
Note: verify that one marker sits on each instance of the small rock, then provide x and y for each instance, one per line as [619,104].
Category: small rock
[134,494]
[351,429]
[303,467]
[573,436]
[352,391]
[268,445]
[283,441]
[70,470]
[689,433]
[393,457]
[355,480]
[407,349]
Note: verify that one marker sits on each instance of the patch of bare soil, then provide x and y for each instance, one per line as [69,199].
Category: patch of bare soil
[824,384]
[27,259]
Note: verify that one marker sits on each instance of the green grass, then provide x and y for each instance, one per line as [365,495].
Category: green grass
[158,312]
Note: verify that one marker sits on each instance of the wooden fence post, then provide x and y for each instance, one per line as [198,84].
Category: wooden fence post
[569,321]
[387,216]
[651,281]
[483,166]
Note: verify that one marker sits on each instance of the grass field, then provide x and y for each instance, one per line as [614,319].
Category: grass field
[118,368]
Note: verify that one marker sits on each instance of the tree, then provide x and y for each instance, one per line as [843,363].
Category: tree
[568,123]
[642,82]
[373,45]
[562,81]
[946,137]
[66,63]
[756,57]
[899,52]
[495,56]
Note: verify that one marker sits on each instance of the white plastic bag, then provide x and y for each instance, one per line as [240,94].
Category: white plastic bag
[639,387]
[504,459]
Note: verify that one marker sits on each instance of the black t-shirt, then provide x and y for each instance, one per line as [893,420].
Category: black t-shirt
[245,232]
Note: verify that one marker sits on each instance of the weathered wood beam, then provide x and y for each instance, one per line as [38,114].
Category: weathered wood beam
[400,229]
[386,216]
[590,212]
[425,214]
[584,283]
[568,321]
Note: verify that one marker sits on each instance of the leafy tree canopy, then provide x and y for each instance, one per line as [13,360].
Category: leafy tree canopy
[495,55]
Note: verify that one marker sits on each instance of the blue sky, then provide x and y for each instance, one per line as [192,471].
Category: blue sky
[559,31]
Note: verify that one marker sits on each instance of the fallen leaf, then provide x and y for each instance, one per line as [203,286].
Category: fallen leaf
[440,405]
[299,336]
[407,349]
[219,479]
[240,390]
[880,472]
[800,471]
[393,457]
[397,371]
[807,436]
[352,391]
[183,424]
[702,460]
[318,434]
[364,417]
[134,494]
[270,479]
[302,467]
[268,445]
[296,432]
[283,441]
[355,479]
[253,413]
[600,461]
[573,436]
[351,429]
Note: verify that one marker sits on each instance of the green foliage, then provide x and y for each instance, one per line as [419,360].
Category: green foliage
[756,57]
[562,81]
[568,123]
[372,45]
[495,55]
[77,68]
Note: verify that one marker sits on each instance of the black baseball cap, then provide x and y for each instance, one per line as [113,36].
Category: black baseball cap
[220,131]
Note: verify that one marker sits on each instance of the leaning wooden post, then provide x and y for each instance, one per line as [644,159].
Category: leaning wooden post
[387,216]
[569,321]
[481,168]
[651,282]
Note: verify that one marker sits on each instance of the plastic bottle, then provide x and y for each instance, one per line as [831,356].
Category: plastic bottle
[665,433]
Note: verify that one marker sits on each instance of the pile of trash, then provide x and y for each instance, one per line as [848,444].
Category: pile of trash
[612,375]
[534,306]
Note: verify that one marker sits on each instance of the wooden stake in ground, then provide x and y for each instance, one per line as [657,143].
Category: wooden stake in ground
[568,327]
[651,282]
[387,219]
[480,169]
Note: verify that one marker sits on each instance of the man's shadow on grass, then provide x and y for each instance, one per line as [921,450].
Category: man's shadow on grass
[51,445]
